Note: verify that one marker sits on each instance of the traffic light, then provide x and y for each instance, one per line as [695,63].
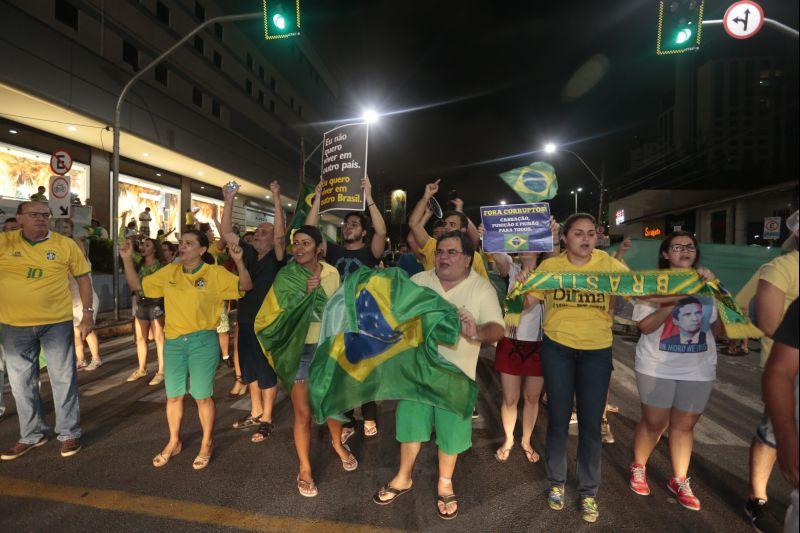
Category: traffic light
[680,24]
[281,18]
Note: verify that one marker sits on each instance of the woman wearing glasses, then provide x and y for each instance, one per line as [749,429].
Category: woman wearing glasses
[676,360]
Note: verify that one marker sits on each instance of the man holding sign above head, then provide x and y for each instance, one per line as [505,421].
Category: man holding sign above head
[454,221]
[355,253]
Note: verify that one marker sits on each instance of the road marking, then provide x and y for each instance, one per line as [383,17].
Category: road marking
[200,513]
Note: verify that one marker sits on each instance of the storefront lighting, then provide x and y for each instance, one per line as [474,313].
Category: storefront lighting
[145,154]
[158,174]
[202,187]
[289,204]
[267,196]
[502,202]
[199,173]
[72,128]
[13,132]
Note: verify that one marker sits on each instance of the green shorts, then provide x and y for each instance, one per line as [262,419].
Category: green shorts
[414,422]
[195,356]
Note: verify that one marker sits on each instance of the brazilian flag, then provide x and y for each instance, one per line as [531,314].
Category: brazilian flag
[378,341]
[304,203]
[535,183]
[283,320]
[514,242]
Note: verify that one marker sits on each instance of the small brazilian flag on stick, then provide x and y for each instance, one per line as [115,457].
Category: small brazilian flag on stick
[379,341]
[534,183]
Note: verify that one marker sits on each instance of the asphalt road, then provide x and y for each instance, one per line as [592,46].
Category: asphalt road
[111,484]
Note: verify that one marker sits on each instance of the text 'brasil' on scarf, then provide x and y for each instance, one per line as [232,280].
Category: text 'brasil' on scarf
[632,284]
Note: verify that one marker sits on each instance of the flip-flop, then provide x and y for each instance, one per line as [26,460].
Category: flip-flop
[307,489]
[162,459]
[396,493]
[507,452]
[529,455]
[351,463]
[450,498]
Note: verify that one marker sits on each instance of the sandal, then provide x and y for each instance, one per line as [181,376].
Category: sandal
[306,488]
[347,433]
[201,461]
[163,458]
[247,422]
[370,429]
[237,391]
[264,430]
[502,454]
[386,489]
[351,463]
[450,498]
[531,455]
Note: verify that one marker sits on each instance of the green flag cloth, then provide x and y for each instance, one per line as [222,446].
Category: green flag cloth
[304,202]
[378,341]
[283,320]
[534,183]
[641,283]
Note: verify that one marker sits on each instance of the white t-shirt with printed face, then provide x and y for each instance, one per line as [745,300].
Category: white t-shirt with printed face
[683,347]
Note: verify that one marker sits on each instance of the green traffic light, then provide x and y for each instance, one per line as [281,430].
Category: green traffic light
[279,21]
[683,36]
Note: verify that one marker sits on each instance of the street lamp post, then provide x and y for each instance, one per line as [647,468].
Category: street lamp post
[118,112]
[552,148]
[575,192]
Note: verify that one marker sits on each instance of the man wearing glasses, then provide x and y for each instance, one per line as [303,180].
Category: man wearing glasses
[36,314]
[454,279]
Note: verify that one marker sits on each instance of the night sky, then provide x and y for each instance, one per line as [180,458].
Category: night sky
[493,79]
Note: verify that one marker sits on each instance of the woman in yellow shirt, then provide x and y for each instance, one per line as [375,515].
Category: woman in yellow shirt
[576,361]
[194,293]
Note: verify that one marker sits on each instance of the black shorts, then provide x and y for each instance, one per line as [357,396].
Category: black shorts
[252,360]
[150,308]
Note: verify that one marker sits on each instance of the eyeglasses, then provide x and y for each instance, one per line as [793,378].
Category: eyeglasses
[682,248]
[451,253]
[38,214]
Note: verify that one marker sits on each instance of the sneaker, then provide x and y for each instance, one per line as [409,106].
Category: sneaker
[683,493]
[137,374]
[70,447]
[589,511]
[346,434]
[80,364]
[638,481]
[21,449]
[94,365]
[157,379]
[556,498]
[605,433]
[573,419]
[754,509]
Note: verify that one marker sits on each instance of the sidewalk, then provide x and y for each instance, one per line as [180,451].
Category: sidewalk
[106,327]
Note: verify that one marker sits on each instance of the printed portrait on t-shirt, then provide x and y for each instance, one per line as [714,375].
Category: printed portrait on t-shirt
[687,329]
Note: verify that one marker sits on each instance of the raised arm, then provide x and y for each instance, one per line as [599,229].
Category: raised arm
[378,224]
[472,231]
[415,221]
[245,282]
[312,218]
[226,229]
[131,276]
[279,226]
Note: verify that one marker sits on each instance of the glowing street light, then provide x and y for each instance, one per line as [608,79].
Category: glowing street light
[575,192]
[370,116]
[550,148]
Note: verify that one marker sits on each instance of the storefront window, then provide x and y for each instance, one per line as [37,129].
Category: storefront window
[164,202]
[207,209]
[23,171]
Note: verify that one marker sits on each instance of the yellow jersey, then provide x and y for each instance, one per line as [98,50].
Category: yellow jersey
[34,278]
[193,301]
[428,252]
[578,319]
[782,273]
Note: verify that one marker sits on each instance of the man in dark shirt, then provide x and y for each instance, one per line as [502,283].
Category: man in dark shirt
[355,253]
[263,258]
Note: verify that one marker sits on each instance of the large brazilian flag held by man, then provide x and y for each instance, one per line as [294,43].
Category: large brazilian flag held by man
[378,341]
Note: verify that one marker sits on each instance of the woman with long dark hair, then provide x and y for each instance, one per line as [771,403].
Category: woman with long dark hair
[149,315]
[194,293]
[676,359]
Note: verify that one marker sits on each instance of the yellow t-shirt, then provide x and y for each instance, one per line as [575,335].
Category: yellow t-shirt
[428,252]
[783,273]
[329,280]
[189,219]
[477,296]
[576,319]
[34,278]
[193,301]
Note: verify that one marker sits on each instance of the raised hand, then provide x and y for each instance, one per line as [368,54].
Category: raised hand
[458,204]
[126,250]
[318,189]
[366,185]
[275,188]
[432,188]
[235,252]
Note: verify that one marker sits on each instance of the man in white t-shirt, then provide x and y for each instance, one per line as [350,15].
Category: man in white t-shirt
[481,322]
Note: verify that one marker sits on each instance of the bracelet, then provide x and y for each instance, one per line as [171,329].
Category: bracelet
[370,205]
[88,309]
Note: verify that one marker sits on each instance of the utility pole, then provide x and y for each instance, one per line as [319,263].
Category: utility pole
[602,193]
